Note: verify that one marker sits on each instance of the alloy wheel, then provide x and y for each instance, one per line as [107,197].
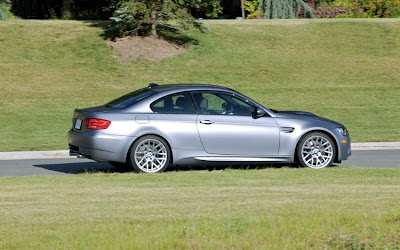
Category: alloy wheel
[317,152]
[151,155]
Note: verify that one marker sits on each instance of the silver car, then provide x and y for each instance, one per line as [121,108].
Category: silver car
[181,124]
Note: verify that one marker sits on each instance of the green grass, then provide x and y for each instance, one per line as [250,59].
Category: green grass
[345,70]
[232,209]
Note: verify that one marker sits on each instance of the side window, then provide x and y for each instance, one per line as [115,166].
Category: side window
[242,107]
[217,103]
[180,103]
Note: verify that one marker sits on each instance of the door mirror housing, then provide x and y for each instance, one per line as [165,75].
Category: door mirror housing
[259,112]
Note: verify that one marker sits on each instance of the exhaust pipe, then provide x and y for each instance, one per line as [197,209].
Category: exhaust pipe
[73,153]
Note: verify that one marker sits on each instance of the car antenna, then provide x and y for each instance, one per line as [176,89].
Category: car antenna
[151,85]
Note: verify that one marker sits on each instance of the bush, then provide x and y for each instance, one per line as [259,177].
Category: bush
[89,15]
[360,8]
[326,10]
[251,6]
[286,9]
[381,8]
[5,6]
[143,17]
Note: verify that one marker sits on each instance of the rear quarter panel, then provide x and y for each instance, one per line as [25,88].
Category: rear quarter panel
[179,130]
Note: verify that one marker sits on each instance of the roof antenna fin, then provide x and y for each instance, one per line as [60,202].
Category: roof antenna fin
[151,85]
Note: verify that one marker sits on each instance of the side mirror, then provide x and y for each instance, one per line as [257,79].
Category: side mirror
[259,113]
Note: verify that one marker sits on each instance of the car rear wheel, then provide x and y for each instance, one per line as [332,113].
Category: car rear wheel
[316,150]
[150,154]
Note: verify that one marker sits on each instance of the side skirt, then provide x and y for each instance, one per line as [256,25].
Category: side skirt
[244,159]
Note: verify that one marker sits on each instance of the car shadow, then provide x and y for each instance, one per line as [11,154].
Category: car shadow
[222,166]
[104,167]
[78,167]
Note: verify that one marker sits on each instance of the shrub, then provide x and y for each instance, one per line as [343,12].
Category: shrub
[286,9]
[251,6]
[381,8]
[5,6]
[212,7]
[370,8]
[89,15]
[326,10]
[143,17]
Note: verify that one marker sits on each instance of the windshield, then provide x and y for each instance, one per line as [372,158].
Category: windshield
[130,99]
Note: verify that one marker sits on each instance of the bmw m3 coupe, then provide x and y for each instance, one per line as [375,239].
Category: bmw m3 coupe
[150,128]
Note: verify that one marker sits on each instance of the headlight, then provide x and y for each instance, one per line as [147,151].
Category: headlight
[343,131]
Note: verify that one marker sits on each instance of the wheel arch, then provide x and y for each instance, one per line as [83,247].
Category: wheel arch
[153,134]
[328,133]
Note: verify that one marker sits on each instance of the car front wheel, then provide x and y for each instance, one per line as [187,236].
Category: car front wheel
[150,154]
[316,150]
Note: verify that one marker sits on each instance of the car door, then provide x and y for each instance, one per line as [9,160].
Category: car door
[227,125]
[175,119]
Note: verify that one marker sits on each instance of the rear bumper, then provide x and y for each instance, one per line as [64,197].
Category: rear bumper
[98,146]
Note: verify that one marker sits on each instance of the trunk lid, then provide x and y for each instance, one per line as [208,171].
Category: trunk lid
[81,114]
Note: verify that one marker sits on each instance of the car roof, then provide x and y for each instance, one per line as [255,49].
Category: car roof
[184,86]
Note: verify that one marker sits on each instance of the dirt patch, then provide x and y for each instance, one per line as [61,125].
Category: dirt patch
[133,47]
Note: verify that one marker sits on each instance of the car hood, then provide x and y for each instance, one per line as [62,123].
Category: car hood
[302,115]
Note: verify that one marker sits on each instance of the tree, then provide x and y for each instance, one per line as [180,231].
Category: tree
[145,16]
[284,9]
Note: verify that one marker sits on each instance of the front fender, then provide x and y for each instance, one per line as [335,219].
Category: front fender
[289,140]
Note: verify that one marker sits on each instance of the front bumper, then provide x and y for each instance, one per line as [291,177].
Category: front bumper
[344,148]
[98,146]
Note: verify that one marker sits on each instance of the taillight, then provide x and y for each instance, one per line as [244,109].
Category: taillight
[93,123]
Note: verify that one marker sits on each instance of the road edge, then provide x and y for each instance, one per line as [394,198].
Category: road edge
[29,155]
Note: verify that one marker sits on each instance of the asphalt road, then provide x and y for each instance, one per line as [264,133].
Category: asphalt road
[368,159]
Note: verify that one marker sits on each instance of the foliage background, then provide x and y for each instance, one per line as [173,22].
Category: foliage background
[357,9]
[339,8]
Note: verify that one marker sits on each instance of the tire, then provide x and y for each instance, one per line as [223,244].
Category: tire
[149,154]
[316,150]
[120,166]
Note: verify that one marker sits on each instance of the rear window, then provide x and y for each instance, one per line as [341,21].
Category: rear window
[130,99]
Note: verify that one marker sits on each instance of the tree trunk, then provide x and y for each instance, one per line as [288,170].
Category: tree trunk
[67,9]
[242,5]
[153,24]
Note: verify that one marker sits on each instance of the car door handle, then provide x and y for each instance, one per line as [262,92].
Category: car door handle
[208,122]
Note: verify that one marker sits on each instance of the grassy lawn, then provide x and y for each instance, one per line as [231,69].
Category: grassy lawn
[334,208]
[345,70]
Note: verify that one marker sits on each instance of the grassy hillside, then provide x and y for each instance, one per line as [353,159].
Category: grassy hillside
[336,208]
[346,70]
